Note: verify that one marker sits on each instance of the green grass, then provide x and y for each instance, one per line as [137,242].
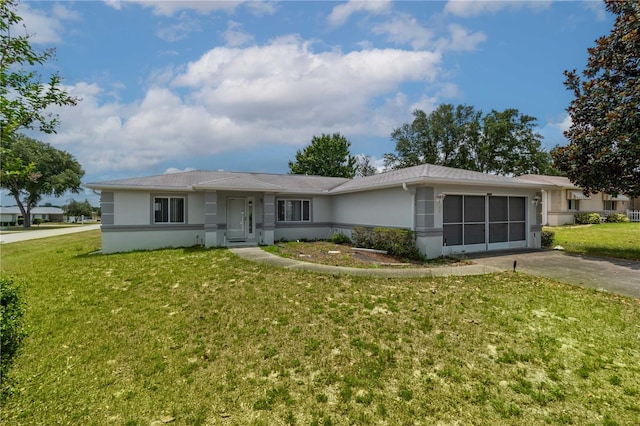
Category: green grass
[620,240]
[196,336]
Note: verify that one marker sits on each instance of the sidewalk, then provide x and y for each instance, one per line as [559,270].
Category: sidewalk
[44,233]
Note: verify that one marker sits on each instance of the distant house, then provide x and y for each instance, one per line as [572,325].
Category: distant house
[562,201]
[450,210]
[12,215]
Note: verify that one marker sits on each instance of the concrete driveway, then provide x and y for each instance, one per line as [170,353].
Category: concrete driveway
[604,274]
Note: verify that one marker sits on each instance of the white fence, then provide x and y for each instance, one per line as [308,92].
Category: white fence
[633,215]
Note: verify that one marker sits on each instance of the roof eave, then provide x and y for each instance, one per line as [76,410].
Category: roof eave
[444,181]
[103,187]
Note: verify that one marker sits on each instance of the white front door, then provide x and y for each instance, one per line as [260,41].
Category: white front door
[236,219]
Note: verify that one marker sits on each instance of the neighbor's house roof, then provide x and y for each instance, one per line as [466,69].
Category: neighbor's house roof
[300,184]
[563,182]
[550,180]
[34,210]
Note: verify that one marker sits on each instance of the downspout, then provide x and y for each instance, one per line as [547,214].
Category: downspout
[413,205]
[545,208]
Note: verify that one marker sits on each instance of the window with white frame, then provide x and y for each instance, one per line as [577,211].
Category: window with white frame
[573,205]
[294,210]
[610,205]
[168,209]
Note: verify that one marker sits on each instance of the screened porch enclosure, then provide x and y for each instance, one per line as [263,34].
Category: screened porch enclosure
[484,222]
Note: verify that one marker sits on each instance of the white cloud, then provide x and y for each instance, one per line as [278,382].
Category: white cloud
[468,8]
[232,98]
[43,27]
[234,36]
[461,40]
[180,29]
[171,7]
[598,8]
[172,170]
[404,29]
[341,13]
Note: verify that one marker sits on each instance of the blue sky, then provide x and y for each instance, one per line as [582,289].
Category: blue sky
[172,86]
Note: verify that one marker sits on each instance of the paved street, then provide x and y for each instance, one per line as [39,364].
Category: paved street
[35,234]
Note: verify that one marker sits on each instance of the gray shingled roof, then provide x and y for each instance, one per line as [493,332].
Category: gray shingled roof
[221,180]
[299,184]
[429,174]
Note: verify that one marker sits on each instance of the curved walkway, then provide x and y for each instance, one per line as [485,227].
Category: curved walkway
[256,254]
[609,275]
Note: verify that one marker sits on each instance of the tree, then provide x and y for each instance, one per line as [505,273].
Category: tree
[24,99]
[500,142]
[511,146]
[364,166]
[327,155]
[603,153]
[77,208]
[31,169]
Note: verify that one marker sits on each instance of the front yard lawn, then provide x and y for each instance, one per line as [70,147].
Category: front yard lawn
[620,240]
[197,336]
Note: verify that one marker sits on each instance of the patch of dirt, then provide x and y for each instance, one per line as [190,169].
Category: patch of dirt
[329,253]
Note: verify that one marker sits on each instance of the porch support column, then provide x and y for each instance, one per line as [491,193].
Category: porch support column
[428,237]
[211,236]
[535,229]
[268,219]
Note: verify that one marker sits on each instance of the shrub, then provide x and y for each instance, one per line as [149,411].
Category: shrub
[547,238]
[617,217]
[587,218]
[340,238]
[12,329]
[362,237]
[397,242]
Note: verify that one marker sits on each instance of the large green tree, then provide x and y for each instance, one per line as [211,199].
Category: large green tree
[603,153]
[500,142]
[327,155]
[24,98]
[31,169]
[77,208]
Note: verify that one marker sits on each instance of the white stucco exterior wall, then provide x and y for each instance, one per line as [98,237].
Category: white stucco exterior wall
[132,208]
[392,207]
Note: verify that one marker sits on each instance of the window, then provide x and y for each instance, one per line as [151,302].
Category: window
[294,211]
[168,209]
[573,205]
[609,205]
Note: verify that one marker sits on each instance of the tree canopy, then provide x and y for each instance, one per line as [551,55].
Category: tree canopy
[24,98]
[77,208]
[365,166]
[31,169]
[503,143]
[327,155]
[603,153]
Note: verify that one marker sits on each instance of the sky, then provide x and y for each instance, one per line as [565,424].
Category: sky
[169,86]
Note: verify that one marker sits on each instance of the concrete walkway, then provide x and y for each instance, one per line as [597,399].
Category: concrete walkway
[609,275]
[256,254]
[44,233]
